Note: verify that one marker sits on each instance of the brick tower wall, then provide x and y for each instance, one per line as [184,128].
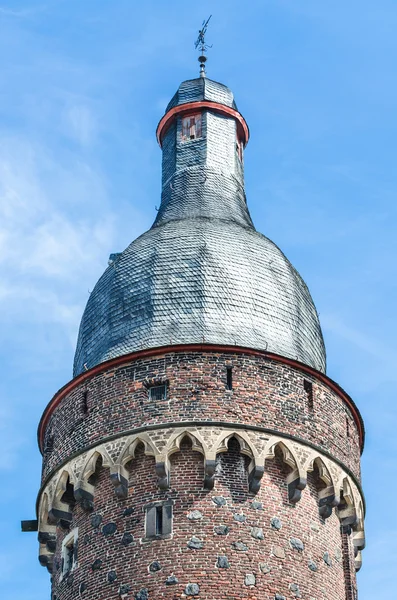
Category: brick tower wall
[263,481]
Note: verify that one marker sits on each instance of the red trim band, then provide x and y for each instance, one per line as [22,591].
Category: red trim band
[120,360]
[190,107]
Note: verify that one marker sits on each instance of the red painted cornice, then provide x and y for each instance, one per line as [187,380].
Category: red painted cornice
[191,107]
[127,358]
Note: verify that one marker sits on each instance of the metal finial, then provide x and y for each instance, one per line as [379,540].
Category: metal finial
[200,43]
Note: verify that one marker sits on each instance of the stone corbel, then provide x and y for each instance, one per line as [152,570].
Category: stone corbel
[326,502]
[162,472]
[209,473]
[46,558]
[348,517]
[255,475]
[60,514]
[47,539]
[358,541]
[84,495]
[296,483]
[358,561]
[119,479]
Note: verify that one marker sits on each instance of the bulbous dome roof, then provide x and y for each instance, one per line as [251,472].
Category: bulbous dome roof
[195,281]
[202,273]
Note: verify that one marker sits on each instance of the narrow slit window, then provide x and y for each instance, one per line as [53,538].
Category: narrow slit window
[159,520]
[347,427]
[309,391]
[229,378]
[158,392]
[85,402]
[191,127]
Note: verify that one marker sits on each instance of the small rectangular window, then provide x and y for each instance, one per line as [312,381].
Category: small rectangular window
[158,392]
[69,553]
[191,127]
[158,519]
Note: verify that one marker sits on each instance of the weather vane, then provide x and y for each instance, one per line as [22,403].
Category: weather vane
[200,43]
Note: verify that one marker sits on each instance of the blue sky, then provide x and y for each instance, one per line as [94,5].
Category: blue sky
[83,85]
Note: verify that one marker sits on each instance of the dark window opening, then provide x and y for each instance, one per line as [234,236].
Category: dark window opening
[309,391]
[158,521]
[85,402]
[49,444]
[229,378]
[191,127]
[347,427]
[158,392]
[69,553]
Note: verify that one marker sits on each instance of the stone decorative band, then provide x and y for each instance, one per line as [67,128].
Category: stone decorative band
[152,352]
[190,107]
[339,489]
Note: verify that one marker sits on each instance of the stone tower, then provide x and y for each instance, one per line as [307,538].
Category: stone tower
[201,451]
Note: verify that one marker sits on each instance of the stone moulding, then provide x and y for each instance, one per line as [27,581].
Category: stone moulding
[340,490]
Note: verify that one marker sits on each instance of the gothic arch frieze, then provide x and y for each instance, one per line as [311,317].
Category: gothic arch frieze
[338,489]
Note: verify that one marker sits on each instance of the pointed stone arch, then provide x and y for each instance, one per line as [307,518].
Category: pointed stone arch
[59,511]
[256,467]
[346,509]
[328,497]
[296,478]
[119,473]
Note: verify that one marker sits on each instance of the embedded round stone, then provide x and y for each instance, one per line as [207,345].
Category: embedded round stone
[127,512]
[96,565]
[109,529]
[279,597]
[279,552]
[240,518]
[240,546]
[222,562]
[250,579]
[195,543]
[219,500]
[192,589]
[221,529]
[297,544]
[264,568]
[111,577]
[314,526]
[338,555]
[294,587]
[257,533]
[143,594]
[171,580]
[82,587]
[195,515]
[327,559]
[276,523]
[127,539]
[312,565]
[124,590]
[154,566]
[257,505]
[96,520]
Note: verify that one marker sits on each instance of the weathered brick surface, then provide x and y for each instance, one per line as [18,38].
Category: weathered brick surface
[276,566]
[265,393]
